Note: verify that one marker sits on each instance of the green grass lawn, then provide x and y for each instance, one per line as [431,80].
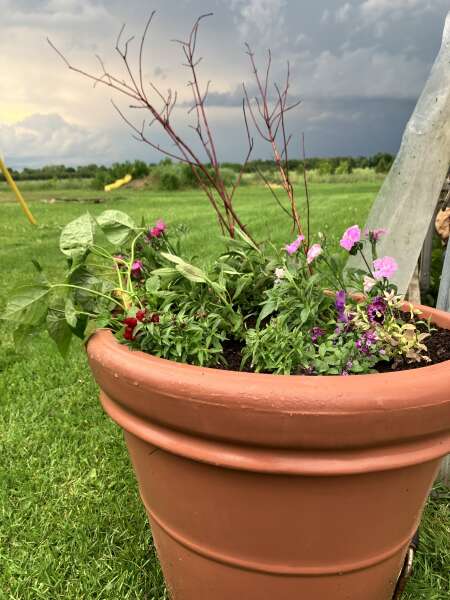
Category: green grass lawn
[71,523]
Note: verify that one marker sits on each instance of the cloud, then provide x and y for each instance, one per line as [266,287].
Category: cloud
[44,138]
[259,20]
[372,10]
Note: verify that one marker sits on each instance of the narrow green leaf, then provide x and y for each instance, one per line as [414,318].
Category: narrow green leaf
[267,309]
[192,273]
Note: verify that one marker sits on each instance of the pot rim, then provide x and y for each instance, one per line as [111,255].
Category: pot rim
[437,316]
[284,411]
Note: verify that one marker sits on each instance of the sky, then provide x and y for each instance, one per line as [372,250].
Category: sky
[358,66]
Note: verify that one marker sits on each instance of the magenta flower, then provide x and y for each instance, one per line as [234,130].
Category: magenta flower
[351,237]
[384,267]
[295,245]
[316,333]
[136,268]
[157,230]
[313,253]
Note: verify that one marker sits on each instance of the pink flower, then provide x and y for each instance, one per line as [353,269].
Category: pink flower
[351,237]
[384,267]
[369,282]
[295,245]
[157,230]
[313,253]
[376,234]
[136,268]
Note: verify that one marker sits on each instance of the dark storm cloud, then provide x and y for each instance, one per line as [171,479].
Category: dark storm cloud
[358,65]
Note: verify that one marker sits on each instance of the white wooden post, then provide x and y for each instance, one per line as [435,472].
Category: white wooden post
[406,202]
[408,197]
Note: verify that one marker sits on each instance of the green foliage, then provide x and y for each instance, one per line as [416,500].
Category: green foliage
[137,281]
[53,499]
[169,181]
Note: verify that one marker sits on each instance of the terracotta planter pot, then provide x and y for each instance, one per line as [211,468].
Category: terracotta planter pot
[269,487]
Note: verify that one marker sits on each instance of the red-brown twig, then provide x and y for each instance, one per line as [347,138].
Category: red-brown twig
[133,87]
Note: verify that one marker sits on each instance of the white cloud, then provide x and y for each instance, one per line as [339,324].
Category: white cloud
[49,137]
[372,10]
[259,20]
[343,13]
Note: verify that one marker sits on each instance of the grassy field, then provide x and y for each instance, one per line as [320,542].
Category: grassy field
[71,523]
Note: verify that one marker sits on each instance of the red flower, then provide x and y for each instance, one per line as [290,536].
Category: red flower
[140,315]
[130,322]
[128,334]
[154,318]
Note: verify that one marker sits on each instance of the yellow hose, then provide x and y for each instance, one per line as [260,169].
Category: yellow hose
[15,189]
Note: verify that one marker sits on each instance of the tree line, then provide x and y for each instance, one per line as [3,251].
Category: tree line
[172,176]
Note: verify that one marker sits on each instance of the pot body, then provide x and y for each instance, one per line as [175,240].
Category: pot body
[272,487]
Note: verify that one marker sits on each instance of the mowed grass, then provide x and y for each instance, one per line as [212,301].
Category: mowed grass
[71,523]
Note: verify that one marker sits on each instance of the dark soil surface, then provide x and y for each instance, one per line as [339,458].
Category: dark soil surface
[438,345]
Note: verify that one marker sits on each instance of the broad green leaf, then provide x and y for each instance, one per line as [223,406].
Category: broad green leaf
[28,305]
[116,225]
[70,312]
[152,284]
[77,236]
[59,330]
[22,334]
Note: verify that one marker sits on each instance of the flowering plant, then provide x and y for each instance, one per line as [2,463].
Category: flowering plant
[255,306]
[273,306]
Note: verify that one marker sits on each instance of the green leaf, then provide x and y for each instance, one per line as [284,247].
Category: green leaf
[22,334]
[172,258]
[77,236]
[59,330]
[247,239]
[267,309]
[70,312]
[153,284]
[304,315]
[28,305]
[116,225]
[192,273]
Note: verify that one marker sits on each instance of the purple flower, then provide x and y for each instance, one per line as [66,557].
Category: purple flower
[366,341]
[340,306]
[313,253]
[384,267]
[351,237]
[295,245]
[316,333]
[136,268]
[376,310]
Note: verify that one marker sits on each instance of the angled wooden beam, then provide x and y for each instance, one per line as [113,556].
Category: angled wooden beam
[408,197]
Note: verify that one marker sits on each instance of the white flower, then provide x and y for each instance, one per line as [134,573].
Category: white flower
[368,283]
[280,273]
